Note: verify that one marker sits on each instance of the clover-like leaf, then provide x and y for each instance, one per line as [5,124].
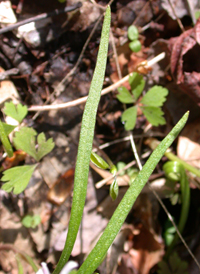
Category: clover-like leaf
[17,112]
[154,115]
[25,139]
[98,161]
[129,117]
[124,96]
[114,189]
[137,84]
[17,178]
[155,97]
[31,221]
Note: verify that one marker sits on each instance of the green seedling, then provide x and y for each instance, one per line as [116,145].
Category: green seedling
[175,171]
[98,253]
[17,178]
[133,34]
[100,163]
[30,221]
[17,112]
[150,104]
[174,266]
[82,168]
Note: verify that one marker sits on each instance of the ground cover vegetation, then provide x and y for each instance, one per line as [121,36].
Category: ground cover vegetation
[92,102]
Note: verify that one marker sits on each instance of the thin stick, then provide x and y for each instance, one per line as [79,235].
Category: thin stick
[115,55]
[84,99]
[40,17]
[135,151]
[178,20]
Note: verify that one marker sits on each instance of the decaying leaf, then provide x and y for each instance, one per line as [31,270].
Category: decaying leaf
[185,61]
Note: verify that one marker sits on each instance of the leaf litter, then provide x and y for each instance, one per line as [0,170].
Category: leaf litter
[48,237]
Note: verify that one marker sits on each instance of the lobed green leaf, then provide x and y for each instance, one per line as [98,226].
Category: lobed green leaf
[17,178]
[17,112]
[155,97]
[124,95]
[129,117]
[137,84]
[154,115]
[25,139]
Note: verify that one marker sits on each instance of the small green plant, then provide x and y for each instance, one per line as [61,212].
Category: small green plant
[31,221]
[133,35]
[175,172]
[98,253]
[174,266]
[150,104]
[17,178]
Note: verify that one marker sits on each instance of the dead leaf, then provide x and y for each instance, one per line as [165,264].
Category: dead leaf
[180,7]
[188,148]
[185,61]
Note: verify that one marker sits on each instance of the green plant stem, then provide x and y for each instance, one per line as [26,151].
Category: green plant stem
[178,169]
[187,166]
[99,251]
[85,144]
[5,141]
[153,143]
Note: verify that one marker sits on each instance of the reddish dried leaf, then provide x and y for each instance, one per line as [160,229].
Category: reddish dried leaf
[18,156]
[184,62]
[61,189]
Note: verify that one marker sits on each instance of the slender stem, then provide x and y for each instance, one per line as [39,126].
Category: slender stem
[5,141]
[187,166]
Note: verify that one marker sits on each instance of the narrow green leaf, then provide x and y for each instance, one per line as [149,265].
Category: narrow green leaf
[99,251]
[137,84]
[17,112]
[17,178]
[98,161]
[154,115]
[8,128]
[133,33]
[19,265]
[25,139]
[124,96]
[4,139]
[114,189]
[85,144]
[29,260]
[129,118]
[135,45]
[155,97]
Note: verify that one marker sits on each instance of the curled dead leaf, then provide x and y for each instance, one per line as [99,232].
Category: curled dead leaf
[185,61]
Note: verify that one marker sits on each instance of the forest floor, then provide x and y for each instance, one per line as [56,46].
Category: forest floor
[47,65]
